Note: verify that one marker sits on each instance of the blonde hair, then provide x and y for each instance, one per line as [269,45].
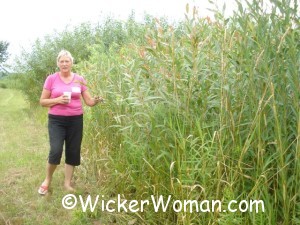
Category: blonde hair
[64,53]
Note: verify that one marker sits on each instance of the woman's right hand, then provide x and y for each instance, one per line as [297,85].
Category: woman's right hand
[46,101]
[63,99]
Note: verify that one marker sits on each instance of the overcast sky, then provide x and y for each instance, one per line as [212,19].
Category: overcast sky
[23,21]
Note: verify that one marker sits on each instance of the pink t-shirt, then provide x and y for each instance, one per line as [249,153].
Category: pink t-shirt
[56,86]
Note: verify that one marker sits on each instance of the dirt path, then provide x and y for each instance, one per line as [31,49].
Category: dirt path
[23,154]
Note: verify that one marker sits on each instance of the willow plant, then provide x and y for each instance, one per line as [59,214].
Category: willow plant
[202,110]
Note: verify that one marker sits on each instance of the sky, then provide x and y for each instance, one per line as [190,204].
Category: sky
[22,22]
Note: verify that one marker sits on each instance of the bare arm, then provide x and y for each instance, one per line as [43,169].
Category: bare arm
[46,101]
[89,100]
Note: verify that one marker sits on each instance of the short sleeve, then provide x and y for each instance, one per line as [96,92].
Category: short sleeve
[48,83]
[83,87]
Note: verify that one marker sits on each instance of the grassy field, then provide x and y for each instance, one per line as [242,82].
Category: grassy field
[23,153]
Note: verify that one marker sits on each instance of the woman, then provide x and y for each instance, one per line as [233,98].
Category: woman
[61,93]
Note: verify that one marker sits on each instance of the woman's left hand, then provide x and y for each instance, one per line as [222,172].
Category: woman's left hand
[98,99]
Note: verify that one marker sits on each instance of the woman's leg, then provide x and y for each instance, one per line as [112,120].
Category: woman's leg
[57,132]
[69,171]
[50,168]
[73,146]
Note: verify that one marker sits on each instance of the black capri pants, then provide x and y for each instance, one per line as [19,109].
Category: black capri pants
[65,130]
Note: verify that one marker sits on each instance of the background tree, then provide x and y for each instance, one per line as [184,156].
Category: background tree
[3,55]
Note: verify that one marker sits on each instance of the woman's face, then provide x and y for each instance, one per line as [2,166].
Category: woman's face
[64,64]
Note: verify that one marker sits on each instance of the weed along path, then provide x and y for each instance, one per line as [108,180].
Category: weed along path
[23,154]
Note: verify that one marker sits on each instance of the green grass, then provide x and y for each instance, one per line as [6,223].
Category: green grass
[23,153]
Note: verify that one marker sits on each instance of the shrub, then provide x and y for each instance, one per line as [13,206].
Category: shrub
[3,85]
[203,110]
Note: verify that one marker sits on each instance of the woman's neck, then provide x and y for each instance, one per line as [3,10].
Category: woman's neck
[65,74]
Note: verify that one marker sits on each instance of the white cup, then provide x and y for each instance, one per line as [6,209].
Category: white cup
[68,93]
